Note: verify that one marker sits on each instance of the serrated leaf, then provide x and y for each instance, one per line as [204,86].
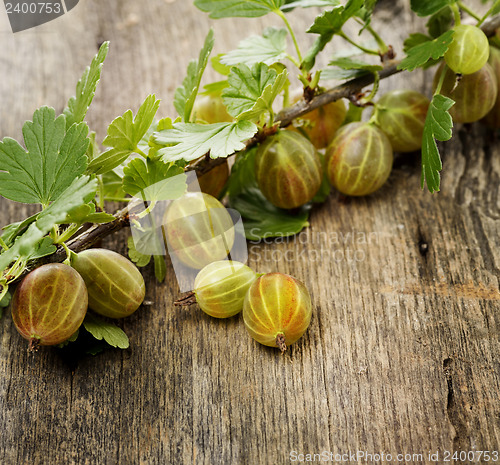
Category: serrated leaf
[42,249]
[154,180]
[415,39]
[80,192]
[185,95]
[55,157]
[126,131]
[268,48]
[252,91]
[290,5]
[107,161]
[260,218]
[238,8]
[438,125]
[11,231]
[195,140]
[214,88]
[421,54]
[87,214]
[440,22]
[327,25]
[342,74]
[103,330]
[85,89]
[429,7]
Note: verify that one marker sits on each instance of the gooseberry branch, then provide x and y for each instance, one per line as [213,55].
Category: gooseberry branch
[89,236]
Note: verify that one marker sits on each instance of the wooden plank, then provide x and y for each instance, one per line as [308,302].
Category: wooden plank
[402,352]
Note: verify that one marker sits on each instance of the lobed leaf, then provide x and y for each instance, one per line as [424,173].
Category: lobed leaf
[419,55]
[238,8]
[85,89]
[189,141]
[429,7]
[185,95]
[438,125]
[54,158]
[103,330]
[268,48]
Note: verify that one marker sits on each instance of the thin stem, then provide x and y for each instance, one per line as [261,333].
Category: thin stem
[363,49]
[293,60]
[3,244]
[441,80]
[140,152]
[66,235]
[465,8]
[382,45]
[488,13]
[100,185]
[292,34]
[376,83]
[117,199]
[456,14]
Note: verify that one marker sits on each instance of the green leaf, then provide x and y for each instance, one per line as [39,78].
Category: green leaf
[218,66]
[185,95]
[137,257]
[160,267]
[42,249]
[415,39]
[87,214]
[195,140]
[55,157]
[252,91]
[214,88]
[85,89]
[268,48]
[429,7]
[238,8]
[260,218]
[5,301]
[154,180]
[80,192]
[290,5]
[11,231]
[327,25]
[440,22]
[420,54]
[350,63]
[438,125]
[108,161]
[125,132]
[101,329]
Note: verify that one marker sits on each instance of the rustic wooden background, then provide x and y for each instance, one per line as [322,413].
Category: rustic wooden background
[402,353]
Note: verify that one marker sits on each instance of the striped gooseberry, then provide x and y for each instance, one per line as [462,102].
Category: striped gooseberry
[221,286]
[359,159]
[492,119]
[288,169]
[320,124]
[49,304]
[277,310]
[211,109]
[115,286]
[401,114]
[469,50]
[198,230]
[474,95]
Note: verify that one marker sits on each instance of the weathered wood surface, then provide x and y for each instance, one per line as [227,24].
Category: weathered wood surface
[402,352]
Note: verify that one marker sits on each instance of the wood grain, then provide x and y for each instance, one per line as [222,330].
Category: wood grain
[402,352]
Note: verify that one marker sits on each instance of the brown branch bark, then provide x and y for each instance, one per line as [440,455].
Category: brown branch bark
[95,233]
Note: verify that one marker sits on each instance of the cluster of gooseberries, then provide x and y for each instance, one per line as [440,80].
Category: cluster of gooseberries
[51,302]
[200,233]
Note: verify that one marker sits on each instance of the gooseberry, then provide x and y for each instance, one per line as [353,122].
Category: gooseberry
[214,180]
[277,310]
[401,114]
[198,229]
[492,119]
[211,109]
[474,95]
[49,304]
[321,124]
[115,286]
[288,169]
[359,159]
[221,286]
[469,50]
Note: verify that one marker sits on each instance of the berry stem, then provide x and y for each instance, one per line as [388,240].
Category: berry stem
[34,345]
[292,34]
[363,49]
[456,14]
[471,13]
[488,13]
[280,342]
